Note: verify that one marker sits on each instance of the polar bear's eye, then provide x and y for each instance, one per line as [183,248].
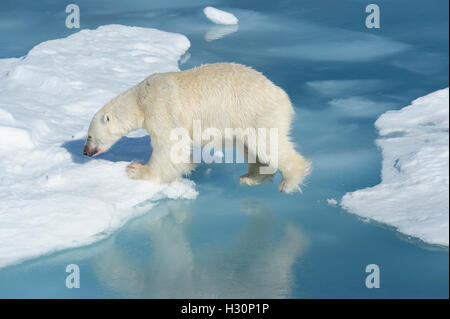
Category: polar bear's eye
[105,118]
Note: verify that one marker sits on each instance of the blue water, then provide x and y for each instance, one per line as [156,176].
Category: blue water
[235,241]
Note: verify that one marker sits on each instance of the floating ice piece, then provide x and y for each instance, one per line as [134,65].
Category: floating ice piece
[219,17]
[51,197]
[413,194]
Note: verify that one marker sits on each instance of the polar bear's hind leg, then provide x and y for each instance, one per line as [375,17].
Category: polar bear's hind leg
[254,177]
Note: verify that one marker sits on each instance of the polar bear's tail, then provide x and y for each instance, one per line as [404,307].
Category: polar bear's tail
[293,168]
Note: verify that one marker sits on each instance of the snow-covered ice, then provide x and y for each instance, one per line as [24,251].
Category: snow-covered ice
[414,193]
[51,197]
[219,16]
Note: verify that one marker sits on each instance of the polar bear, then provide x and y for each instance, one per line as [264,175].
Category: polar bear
[221,95]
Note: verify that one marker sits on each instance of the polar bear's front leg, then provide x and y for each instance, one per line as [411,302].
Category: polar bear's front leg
[133,168]
[140,171]
[160,168]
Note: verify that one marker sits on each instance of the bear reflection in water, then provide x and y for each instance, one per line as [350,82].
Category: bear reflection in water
[256,264]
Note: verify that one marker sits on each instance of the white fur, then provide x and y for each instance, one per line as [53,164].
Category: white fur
[222,95]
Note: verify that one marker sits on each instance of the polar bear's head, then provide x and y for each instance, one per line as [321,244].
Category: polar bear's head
[115,119]
[103,132]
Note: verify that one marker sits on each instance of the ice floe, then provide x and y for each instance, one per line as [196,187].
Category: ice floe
[219,16]
[51,197]
[413,195]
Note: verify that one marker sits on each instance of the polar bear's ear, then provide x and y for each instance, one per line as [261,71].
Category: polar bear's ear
[106,118]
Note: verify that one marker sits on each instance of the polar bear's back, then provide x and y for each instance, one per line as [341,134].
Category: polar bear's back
[221,95]
[230,95]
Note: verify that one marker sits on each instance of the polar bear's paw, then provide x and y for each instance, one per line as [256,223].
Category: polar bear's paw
[252,180]
[289,187]
[133,169]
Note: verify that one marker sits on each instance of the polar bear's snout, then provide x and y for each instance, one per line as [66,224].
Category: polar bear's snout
[91,150]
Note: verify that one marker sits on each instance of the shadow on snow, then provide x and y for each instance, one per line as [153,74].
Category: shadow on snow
[125,150]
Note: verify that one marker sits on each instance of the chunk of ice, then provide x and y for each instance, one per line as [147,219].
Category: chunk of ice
[219,17]
[51,197]
[413,195]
